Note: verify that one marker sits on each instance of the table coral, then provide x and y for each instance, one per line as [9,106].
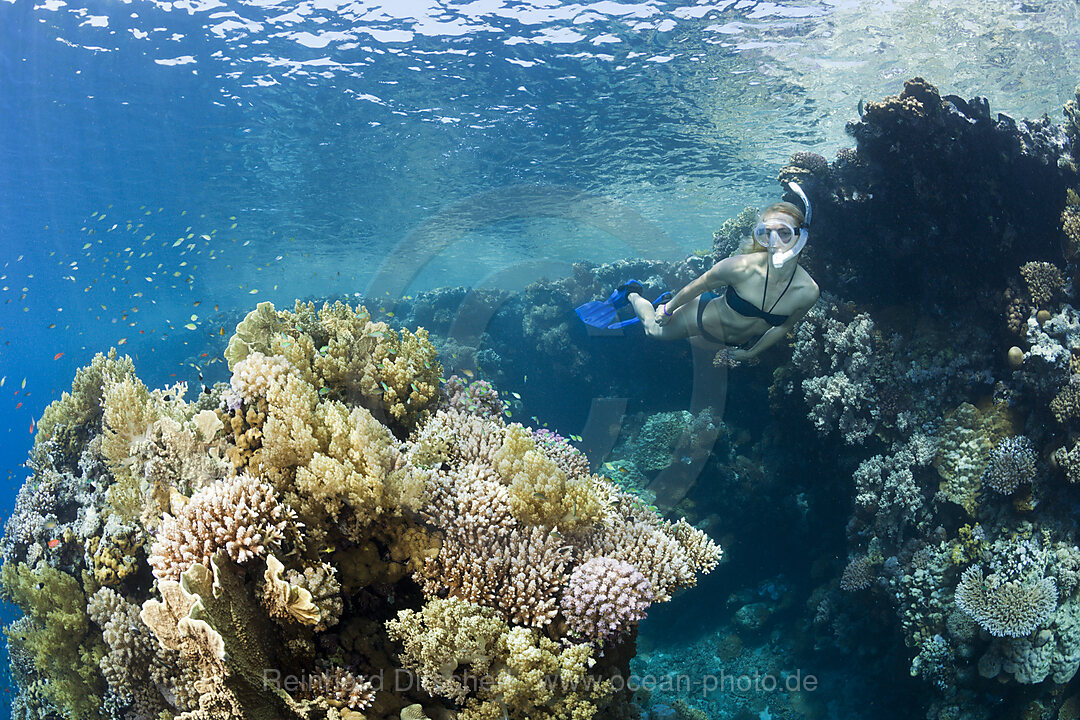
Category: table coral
[1006,607]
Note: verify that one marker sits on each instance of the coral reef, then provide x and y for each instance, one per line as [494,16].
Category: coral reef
[326,515]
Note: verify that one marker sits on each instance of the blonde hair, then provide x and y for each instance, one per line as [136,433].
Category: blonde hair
[784,208]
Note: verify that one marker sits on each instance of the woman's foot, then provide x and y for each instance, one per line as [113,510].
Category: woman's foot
[621,296]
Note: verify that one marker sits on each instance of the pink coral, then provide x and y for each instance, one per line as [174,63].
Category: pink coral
[605,597]
[570,460]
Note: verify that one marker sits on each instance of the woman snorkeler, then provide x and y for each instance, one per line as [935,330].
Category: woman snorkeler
[767,292]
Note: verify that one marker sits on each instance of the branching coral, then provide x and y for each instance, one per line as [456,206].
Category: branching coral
[445,640]
[1066,404]
[668,555]
[132,650]
[1012,462]
[288,504]
[842,363]
[241,515]
[339,350]
[456,438]
[466,653]
[605,597]
[489,558]
[1070,225]
[859,573]
[887,486]
[570,460]
[540,492]
[1044,282]
[477,397]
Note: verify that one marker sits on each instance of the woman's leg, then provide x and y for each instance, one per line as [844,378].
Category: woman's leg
[683,323]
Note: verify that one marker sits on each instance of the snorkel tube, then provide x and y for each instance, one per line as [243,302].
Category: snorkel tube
[780,257]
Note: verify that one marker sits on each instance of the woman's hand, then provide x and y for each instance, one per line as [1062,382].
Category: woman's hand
[739,355]
[662,316]
[730,357]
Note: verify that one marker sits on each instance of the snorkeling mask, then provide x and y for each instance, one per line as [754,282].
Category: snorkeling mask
[784,240]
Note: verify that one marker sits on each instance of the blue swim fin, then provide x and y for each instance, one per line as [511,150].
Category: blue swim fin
[603,314]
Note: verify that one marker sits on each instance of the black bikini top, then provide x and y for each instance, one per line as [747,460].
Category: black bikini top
[748,309]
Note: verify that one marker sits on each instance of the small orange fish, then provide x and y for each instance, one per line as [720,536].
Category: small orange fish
[18,406]
[53,544]
[58,355]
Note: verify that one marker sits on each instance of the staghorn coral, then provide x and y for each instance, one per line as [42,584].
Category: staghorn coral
[603,598]
[241,515]
[1006,607]
[1012,462]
